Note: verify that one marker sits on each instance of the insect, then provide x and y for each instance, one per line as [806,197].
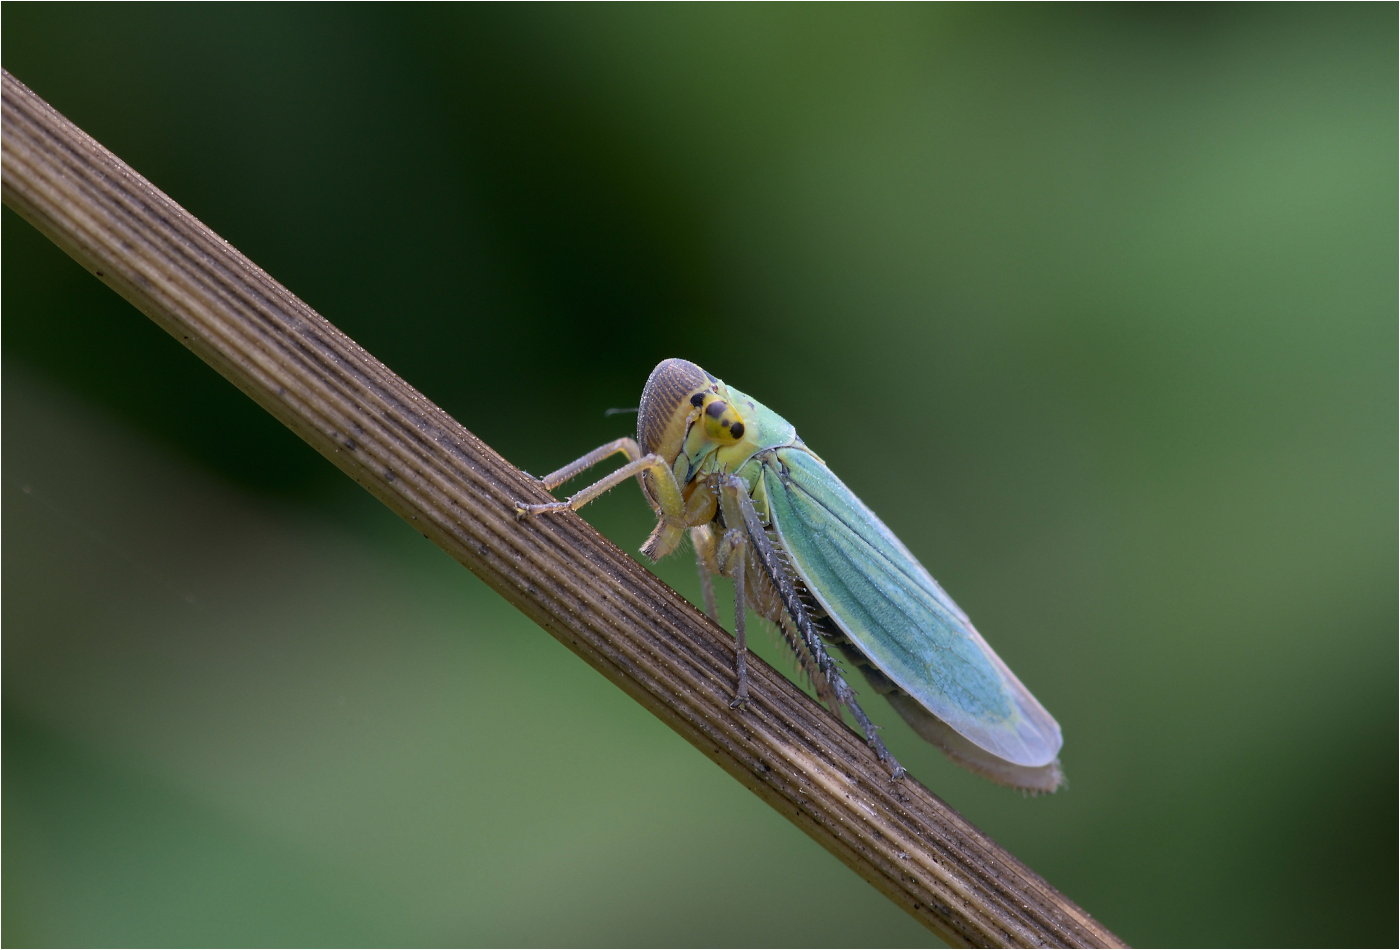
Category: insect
[805,553]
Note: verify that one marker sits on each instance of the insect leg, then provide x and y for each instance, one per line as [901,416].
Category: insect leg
[738,559]
[626,446]
[668,492]
[736,496]
[702,540]
[728,557]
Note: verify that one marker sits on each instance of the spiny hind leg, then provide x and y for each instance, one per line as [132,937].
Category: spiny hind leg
[739,509]
[805,661]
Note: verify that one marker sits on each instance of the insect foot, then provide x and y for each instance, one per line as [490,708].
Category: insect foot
[523,510]
[896,770]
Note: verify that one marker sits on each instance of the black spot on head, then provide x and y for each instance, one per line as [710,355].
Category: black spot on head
[697,399]
[716,409]
[737,430]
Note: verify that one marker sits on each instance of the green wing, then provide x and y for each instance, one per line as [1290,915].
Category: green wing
[897,615]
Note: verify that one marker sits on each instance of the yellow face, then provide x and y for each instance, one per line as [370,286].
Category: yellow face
[723,424]
[713,426]
[695,422]
[686,411]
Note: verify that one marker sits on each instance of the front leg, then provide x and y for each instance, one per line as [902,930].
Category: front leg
[674,512]
[649,463]
[626,446]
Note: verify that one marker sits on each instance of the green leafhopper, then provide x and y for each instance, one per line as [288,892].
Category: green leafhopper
[805,553]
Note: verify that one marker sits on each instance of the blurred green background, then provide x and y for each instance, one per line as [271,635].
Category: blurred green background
[1097,308]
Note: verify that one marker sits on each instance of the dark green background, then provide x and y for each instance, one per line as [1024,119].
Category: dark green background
[1097,308]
